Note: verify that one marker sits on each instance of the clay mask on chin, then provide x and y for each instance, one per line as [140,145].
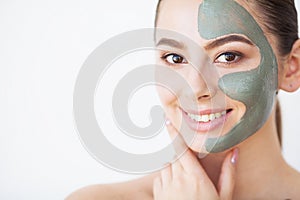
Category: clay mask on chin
[255,88]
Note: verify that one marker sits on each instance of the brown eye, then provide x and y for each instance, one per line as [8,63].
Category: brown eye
[227,57]
[174,59]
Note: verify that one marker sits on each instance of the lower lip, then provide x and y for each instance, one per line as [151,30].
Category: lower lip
[204,127]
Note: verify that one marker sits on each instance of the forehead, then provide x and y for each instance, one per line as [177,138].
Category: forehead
[179,16]
[182,16]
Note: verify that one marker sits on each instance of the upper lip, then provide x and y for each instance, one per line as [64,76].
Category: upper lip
[204,111]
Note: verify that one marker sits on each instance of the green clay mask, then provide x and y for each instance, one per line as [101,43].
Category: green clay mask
[255,88]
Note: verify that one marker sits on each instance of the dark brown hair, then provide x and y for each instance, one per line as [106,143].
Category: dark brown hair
[279,18]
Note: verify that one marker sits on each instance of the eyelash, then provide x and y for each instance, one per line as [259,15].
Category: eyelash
[165,58]
[237,58]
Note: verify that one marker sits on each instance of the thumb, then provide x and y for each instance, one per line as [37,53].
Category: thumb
[227,177]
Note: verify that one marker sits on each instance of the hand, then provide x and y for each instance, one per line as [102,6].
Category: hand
[185,179]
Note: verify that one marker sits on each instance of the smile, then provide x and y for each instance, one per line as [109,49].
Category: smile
[206,120]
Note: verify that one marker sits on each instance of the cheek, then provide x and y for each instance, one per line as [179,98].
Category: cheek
[166,97]
[169,84]
[170,104]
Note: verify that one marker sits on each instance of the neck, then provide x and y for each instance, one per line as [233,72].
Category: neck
[257,158]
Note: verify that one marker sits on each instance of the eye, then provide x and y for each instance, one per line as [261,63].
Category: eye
[174,59]
[228,57]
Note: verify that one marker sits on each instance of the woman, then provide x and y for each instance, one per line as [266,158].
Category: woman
[254,50]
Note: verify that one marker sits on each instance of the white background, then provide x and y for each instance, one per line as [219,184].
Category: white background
[42,47]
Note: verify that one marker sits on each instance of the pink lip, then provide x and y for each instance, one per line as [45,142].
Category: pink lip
[203,112]
[204,127]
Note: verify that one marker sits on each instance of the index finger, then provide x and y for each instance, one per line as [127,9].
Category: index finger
[186,157]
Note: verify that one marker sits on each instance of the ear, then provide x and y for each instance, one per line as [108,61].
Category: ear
[290,81]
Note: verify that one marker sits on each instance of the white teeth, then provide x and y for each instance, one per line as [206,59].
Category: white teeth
[206,118]
[218,115]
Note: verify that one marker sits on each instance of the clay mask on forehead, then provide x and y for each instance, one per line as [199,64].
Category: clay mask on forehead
[255,88]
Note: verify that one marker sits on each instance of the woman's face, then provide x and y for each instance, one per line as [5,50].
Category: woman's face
[227,97]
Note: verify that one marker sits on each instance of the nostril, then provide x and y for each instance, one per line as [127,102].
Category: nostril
[204,96]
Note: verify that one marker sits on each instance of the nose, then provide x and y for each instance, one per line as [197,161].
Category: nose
[203,83]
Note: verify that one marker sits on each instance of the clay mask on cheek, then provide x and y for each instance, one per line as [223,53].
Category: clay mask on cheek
[255,88]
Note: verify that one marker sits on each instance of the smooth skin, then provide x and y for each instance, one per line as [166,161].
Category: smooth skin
[188,177]
[256,171]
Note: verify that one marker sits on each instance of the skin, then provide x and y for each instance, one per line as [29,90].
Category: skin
[215,176]
[255,88]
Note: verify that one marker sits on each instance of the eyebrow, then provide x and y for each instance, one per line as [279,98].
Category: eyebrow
[230,38]
[171,43]
[216,43]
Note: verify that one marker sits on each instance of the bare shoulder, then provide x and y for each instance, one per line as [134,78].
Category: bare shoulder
[131,190]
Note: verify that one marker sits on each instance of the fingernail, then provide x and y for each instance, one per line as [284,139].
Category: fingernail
[168,122]
[235,155]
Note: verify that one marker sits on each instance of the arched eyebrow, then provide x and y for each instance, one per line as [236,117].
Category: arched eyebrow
[213,44]
[171,43]
[224,40]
